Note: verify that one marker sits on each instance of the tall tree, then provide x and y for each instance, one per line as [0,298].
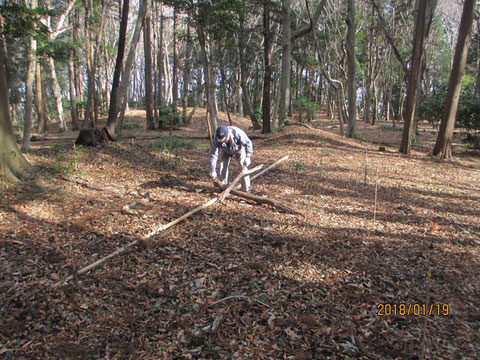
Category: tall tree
[112,111]
[31,57]
[267,76]
[39,101]
[118,97]
[52,35]
[351,81]
[147,45]
[443,145]
[13,165]
[423,19]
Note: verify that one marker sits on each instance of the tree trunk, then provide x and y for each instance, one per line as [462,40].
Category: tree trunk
[443,145]
[175,62]
[13,165]
[73,100]
[41,111]
[56,95]
[351,83]
[267,77]
[27,120]
[422,24]
[187,66]
[209,78]
[161,96]
[119,90]
[239,93]
[247,104]
[148,71]
[286,62]
[224,93]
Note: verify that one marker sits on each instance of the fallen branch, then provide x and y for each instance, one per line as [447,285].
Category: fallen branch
[243,173]
[260,200]
[151,234]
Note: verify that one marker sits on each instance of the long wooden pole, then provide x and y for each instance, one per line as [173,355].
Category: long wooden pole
[243,173]
[154,232]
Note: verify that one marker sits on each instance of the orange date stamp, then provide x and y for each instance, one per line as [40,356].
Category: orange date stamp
[416,309]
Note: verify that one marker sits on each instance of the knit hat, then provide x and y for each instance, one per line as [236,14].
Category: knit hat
[221,134]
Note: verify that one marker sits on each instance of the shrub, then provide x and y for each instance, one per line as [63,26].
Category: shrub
[468,115]
[164,118]
[130,126]
[302,105]
[169,144]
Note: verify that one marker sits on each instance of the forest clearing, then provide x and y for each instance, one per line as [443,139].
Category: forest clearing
[308,286]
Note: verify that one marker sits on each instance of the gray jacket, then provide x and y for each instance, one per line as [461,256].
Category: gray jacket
[240,141]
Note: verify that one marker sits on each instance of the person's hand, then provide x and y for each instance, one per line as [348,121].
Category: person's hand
[247,162]
[213,175]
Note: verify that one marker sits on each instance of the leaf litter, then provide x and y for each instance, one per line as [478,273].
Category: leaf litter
[238,280]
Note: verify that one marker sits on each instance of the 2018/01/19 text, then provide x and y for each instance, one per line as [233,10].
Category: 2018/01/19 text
[417,309]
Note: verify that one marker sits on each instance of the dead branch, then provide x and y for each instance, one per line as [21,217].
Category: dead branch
[260,200]
[243,173]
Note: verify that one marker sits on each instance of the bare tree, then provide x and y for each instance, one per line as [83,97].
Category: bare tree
[443,145]
[423,20]
[351,81]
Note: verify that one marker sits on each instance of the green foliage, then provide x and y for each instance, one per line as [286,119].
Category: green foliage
[472,140]
[297,165]
[430,108]
[303,105]
[172,143]
[57,49]
[81,104]
[258,114]
[129,126]
[165,114]
[22,21]
[468,113]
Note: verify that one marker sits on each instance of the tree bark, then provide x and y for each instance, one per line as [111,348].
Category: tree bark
[247,104]
[267,76]
[187,66]
[443,145]
[209,77]
[41,111]
[27,120]
[351,81]
[73,100]
[119,90]
[13,165]
[148,71]
[422,24]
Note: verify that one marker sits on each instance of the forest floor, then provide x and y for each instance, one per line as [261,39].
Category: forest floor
[378,228]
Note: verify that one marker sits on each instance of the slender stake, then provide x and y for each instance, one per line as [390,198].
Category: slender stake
[365,169]
[376,191]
